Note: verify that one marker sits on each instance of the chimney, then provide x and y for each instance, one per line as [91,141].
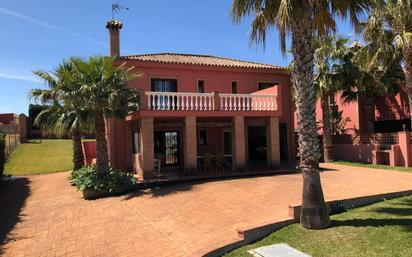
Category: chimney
[114,27]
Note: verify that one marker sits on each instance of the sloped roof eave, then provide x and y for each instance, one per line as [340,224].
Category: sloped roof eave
[202,60]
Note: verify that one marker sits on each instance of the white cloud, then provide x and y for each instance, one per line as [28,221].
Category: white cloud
[50,26]
[18,77]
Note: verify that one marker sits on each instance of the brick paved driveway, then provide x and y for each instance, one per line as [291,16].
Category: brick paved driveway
[43,215]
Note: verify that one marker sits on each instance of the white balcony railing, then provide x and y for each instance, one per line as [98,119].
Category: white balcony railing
[247,102]
[179,101]
[175,101]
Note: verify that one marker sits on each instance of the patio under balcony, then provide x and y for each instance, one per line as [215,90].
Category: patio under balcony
[175,148]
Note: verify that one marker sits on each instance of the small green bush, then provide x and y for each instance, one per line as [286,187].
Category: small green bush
[114,182]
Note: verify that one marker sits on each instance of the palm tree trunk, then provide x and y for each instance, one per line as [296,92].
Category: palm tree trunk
[78,156]
[327,131]
[313,212]
[407,67]
[102,159]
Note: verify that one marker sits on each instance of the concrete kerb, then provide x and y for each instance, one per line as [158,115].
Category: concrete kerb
[252,234]
[349,203]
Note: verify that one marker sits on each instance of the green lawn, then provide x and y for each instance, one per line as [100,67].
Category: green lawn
[45,157]
[381,229]
[374,166]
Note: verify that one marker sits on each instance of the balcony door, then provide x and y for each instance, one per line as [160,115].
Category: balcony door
[163,85]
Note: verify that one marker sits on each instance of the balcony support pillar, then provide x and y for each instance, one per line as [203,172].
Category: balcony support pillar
[190,145]
[238,144]
[272,142]
[147,147]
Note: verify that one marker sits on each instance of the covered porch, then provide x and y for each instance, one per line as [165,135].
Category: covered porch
[174,148]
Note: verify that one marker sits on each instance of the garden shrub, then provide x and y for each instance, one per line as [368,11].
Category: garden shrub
[113,182]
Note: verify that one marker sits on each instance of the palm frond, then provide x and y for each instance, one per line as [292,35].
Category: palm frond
[282,15]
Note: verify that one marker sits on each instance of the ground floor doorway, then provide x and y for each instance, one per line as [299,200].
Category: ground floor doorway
[257,144]
[283,141]
[167,147]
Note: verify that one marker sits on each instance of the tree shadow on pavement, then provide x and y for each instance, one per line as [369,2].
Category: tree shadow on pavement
[161,190]
[13,195]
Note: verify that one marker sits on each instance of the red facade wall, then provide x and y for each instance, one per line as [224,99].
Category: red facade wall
[363,112]
[89,150]
[216,79]
[214,141]
[354,153]
[349,110]
[393,107]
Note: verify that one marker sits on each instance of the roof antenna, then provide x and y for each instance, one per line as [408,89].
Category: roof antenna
[116,7]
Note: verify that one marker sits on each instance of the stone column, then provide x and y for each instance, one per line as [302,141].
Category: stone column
[405,147]
[272,142]
[147,147]
[238,144]
[190,145]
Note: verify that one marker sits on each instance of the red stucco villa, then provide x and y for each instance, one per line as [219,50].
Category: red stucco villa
[200,114]
[386,114]
[204,115]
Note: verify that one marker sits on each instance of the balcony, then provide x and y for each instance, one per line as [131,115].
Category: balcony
[177,101]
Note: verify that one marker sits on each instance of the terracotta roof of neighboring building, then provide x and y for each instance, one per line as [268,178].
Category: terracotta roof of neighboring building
[195,59]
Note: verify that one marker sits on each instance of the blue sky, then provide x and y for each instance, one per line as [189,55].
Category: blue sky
[40,34]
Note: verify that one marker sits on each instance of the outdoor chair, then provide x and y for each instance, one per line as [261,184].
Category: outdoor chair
[208,159]
[158,163]
[220,163]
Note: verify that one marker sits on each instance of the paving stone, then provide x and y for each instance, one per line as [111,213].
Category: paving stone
[277,250]
[42,214]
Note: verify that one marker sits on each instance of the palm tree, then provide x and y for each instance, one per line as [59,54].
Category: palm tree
[61,120]
[64,113]
[358,79]
[302,20]
[388,32]
[105,91]
[329,51]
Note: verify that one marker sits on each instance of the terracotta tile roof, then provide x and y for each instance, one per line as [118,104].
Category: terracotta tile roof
[195,59]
